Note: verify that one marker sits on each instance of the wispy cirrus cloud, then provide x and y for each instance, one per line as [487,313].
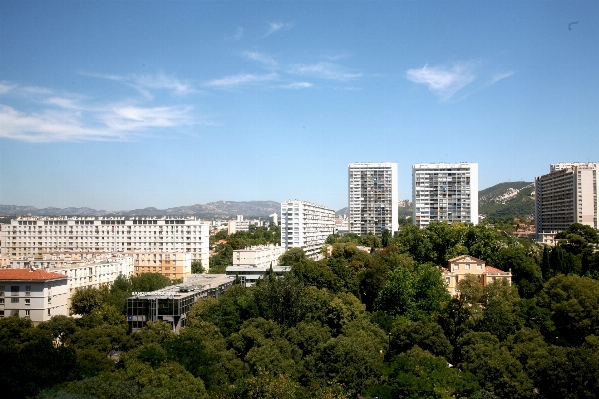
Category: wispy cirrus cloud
[144,84]
[444,81]
[324,70]
[296,85]
[50,116]
[238,33]
[499,76]
[277,26]
[242,79]
[264,59]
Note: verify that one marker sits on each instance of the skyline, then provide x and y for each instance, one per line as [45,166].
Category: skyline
[120,106]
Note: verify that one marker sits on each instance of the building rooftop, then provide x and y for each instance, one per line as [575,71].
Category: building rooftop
[28,275]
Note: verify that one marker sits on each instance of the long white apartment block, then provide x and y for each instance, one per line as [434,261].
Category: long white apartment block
[566,195]
[33,236]
[258,256]
[444,192]
[306,225]
[372,197]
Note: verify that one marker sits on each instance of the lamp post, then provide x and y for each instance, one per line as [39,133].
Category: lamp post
[389,348]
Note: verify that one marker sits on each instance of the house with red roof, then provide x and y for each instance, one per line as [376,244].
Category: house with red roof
[34,294]
[459,267]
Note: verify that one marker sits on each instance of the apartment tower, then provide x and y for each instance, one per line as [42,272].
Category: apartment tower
[444,192]
[372,197]
[305,225]
[567,195]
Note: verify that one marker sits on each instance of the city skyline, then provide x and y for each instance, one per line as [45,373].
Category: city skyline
[129,105]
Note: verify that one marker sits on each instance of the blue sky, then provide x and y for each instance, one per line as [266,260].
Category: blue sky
[123,105]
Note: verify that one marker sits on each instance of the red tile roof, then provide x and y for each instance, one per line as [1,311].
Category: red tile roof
[491,269]
[28,275]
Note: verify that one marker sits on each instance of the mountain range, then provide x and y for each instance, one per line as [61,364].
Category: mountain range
[508,199]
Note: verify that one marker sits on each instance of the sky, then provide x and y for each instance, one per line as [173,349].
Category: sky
[121,105]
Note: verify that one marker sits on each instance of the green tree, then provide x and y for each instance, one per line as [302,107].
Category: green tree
[196,267]
[147,282]
[86,299]
[292,257]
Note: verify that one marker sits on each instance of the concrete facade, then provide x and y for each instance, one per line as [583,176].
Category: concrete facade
[174,265]
[34,294]
[258,256]
[34,236]
[306,225]
[444,192]
[372,197]
[566,195]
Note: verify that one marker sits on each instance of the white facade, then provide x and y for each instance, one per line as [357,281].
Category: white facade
[33,236]
[444,192]
[372,197]
[306,225]
[258,256]
[567,195]
[250,275]
[33,294]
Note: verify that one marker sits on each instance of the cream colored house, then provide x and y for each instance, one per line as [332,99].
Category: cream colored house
[458,268]
[33,294]
[258,256]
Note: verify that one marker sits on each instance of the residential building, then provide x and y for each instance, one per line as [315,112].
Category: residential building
[249,275]
[566,195]
[34,294]
[444,192]
[258,256]
[458,268]
[171,304]
[174,265]
[306,225]
[34,236]
[372,197]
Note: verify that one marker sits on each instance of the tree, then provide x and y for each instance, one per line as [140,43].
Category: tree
[385,238]
[148,282]
[470,289]
[196,267]
[86,299]
[292,257]
[397,296]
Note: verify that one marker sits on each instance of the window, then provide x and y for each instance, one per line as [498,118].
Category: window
[1,301]
[27,290]
[49,299]
[27,313]
[48,312]
[456,267]
[14,300]
[479,266]
[14,290]
[447,280]
[467,267]
[1,290]
[27,301]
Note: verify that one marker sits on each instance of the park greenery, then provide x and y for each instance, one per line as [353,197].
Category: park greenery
[376,324]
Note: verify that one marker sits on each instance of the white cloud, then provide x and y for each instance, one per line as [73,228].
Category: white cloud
[324,70]
[499,76]
[443,81]
[261,58]
[296,85]
[242,79]
[5,87]
[70,117]
[145,83]
[277,26]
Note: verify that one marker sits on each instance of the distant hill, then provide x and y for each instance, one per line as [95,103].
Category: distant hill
[509,199]
[218,209]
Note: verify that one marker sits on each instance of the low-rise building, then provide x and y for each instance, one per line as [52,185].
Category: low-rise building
[249,275]
[174,265]
[34,294]
[171,304]
[258,256]
[458,268]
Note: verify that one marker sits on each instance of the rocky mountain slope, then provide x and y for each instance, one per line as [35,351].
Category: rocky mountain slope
[509,199]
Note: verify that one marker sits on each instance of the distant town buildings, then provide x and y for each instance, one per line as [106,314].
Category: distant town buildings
[174,265]
[33,236]
[444,192]
[458,268]
[566,195]
[34,294]
[372,197]
[249,275]
[305,225]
